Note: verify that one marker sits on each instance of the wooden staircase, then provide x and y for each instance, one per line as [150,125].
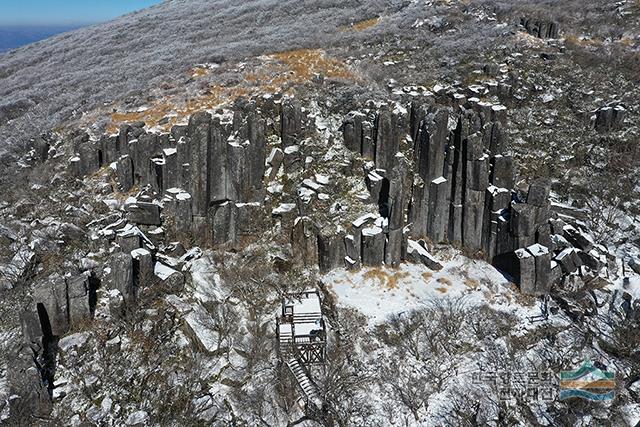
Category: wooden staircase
[306,385]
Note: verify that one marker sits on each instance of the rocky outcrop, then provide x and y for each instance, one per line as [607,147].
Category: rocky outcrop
[609,118]
[455,187]
[461,193]
[541,28]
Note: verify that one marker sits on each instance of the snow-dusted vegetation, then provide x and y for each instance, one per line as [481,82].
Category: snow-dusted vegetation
[457,182]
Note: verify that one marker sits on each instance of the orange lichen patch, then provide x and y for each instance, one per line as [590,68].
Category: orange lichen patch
[361,25]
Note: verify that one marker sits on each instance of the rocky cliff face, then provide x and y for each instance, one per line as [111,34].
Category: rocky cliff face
[453,213]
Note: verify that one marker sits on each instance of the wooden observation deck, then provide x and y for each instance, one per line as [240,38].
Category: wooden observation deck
[300,329]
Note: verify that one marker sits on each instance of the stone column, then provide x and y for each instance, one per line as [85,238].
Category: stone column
[331,251]
[373,242]
[439,202]
[199,131]
[352,131]
[125,173]
[291,123]
[170,175]
[304,243]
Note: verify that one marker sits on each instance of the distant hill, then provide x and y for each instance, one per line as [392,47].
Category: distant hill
[12,37]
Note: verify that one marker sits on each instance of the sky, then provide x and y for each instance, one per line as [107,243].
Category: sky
[65,12]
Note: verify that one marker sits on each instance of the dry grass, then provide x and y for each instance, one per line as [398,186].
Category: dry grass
[384,278]
[444,281]
[361,25]
[442,290]
[279,72]
[427,276]
[199,72]
[471,283]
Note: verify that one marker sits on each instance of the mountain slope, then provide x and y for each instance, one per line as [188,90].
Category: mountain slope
[79,70]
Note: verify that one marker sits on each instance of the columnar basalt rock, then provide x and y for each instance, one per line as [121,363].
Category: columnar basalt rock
[274,160]
[368,137]
[569,260]
[419,254]
[255,157]
[430,145]
[540,28]
[497,201]
[473,217]
[141,150]
[142,213]
[218,162]
[170,175]
[455,187]
[89,158]
[439,202]
[523,223]
[122,277]
[78,295]
[352,131]
[142,269]
[494,137]
[223,223]
[50,300]
[502,174]
[542,261]
[291,123]
[396,212]
[331,251]
[375,181]
[525,272]
[373,242]
[60,304]
[199,132]
[538,194]
[250,221]
[304,244]
[578,239]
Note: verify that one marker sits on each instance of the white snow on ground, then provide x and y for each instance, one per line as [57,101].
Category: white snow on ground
[379,292]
